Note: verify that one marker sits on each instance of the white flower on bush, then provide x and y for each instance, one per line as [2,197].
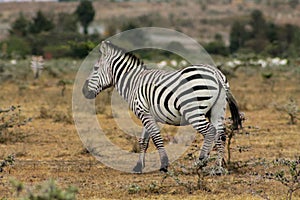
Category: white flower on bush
[262,63]
[174,63]
[237,62]
[162,64]
[230,64]
[13,62]
[183,63]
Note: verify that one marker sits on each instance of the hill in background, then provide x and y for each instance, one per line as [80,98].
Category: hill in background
[199,19]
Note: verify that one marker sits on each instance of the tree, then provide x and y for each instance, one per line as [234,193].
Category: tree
[289,33]
[85,13]
[40,23]
[293,3]
[20,26]
[217,46]
[237,36]
[258,24]
[272,32]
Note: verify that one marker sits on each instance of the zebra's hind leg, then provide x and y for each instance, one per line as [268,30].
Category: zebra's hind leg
[203,126]
[217,117]
[164,160]
[220,141]
[144,143]
[209,133]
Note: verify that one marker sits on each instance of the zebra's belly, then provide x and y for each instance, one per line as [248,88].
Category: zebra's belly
[175,118]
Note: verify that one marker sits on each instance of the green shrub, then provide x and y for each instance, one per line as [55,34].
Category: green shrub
[15,47]
[217,47]
[287,173]
[8,161]
[46,191]
[40,23]
[11,118]
[134,188]
[81,49]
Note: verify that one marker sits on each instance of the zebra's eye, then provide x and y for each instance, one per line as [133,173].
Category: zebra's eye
[96,68]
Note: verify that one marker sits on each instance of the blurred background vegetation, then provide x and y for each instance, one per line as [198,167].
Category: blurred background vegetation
[53,37]
[74,33]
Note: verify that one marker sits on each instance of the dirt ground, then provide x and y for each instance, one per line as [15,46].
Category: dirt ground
[49,147]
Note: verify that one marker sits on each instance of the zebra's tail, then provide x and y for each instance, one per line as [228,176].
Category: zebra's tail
[234,110]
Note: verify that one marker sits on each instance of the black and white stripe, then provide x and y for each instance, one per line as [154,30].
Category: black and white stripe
[195,95]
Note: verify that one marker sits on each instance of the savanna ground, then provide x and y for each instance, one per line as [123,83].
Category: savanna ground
[48,147]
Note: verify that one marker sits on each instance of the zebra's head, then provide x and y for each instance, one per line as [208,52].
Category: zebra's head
[100,78]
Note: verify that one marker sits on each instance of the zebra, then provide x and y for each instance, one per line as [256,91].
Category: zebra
[37,65]
[195,95]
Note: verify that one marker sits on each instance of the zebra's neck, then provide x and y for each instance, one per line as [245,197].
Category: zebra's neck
[125,71]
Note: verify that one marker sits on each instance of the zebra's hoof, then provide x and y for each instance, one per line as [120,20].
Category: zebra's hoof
[201,163]
[218,171]
[163,169]
[138,168]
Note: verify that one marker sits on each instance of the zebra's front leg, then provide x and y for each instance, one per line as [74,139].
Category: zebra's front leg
[143,143]
[152,127]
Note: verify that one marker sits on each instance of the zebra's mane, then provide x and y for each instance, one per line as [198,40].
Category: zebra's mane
[129,54]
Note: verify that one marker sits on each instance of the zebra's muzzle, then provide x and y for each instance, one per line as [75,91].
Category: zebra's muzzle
[88,93]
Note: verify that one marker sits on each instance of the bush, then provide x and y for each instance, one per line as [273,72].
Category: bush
[217,47]
[81,49]
[60,116]
[258,44]
[11,118]
[291,108]
[8,161]
[46,191]
[288,174]
[39,41]
[15,47]
[134,188]
[56,115]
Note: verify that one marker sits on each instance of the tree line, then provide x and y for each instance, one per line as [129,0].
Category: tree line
[255,34]
[265,37]
[58,36]
[55,36]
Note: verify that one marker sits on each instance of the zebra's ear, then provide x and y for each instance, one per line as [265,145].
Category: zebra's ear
[104,47]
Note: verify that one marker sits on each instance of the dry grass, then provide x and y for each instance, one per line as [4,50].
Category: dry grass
[52,148]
